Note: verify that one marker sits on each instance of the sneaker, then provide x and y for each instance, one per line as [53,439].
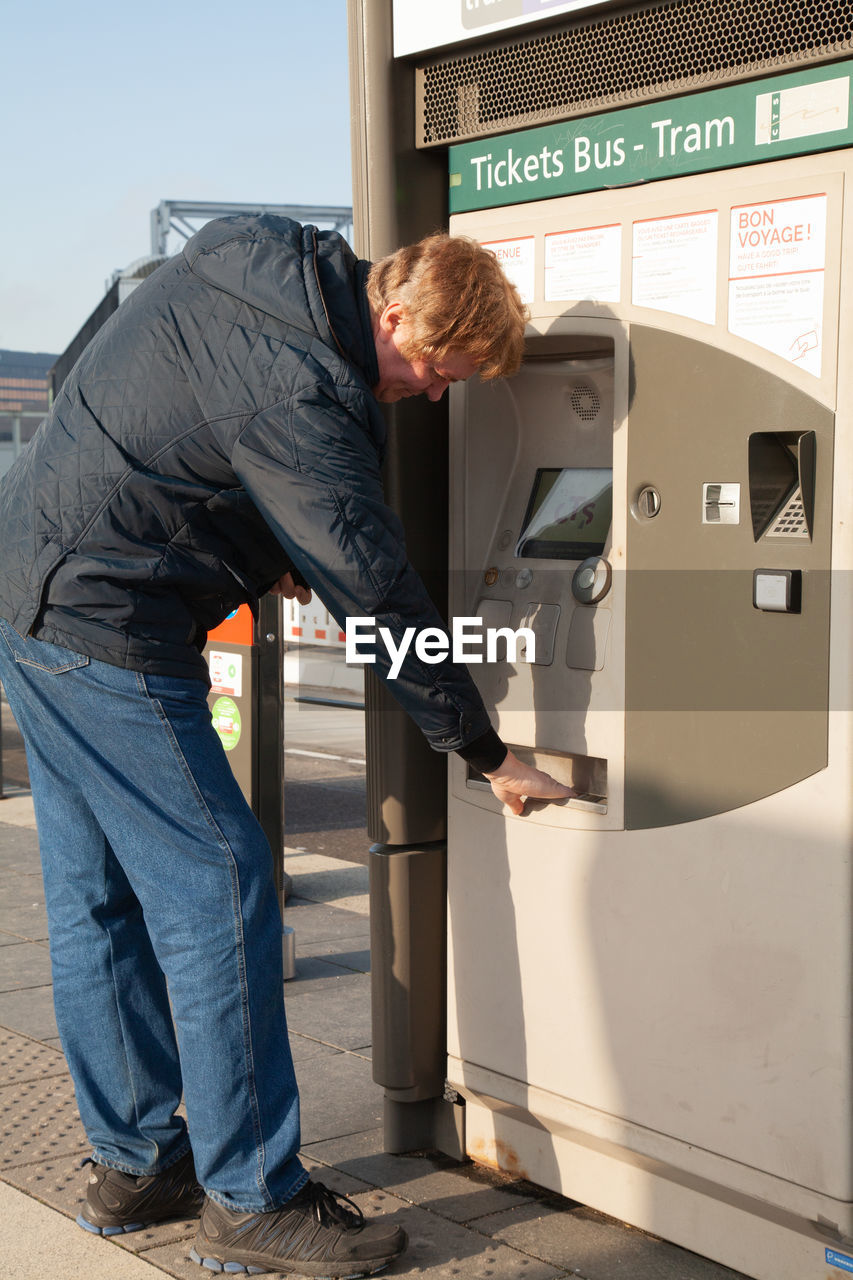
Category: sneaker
[317,1233]
[117,1202]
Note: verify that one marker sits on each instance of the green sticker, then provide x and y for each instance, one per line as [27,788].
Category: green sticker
[226,722]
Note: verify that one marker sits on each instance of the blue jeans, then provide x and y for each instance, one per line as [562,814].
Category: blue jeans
[165,929]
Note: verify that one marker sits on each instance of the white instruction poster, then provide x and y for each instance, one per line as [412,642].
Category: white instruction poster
[776,274]
[584,265]
[226,672]
[518,259]
[675,264]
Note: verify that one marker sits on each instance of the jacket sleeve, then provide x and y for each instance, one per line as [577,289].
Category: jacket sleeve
[312,470]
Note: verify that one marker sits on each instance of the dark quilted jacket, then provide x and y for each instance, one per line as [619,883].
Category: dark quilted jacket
[218,430]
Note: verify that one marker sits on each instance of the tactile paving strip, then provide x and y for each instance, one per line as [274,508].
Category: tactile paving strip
[22,1059]
[61,1184]
[39,1122]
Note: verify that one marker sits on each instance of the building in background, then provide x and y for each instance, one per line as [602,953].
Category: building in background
[24,399]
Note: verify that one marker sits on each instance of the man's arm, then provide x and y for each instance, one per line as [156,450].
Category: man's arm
[320,491]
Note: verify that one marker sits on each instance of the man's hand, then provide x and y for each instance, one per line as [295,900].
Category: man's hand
[514,782]
[287,587]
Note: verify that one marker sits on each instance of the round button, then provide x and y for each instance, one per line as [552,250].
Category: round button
[505,539]
[591,580]
[523,578]
[491,576]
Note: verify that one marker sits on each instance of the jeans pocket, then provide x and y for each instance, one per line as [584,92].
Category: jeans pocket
[51,658]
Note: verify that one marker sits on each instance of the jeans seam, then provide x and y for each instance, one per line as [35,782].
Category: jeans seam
[119,1015]
[80,661]
[175,746]
[108,1163]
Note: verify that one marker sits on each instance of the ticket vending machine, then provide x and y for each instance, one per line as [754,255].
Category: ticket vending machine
[650,986]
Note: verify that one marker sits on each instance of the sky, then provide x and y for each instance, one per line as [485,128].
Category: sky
[110,106]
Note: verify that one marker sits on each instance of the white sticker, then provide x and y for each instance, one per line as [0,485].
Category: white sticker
[584,265]
[776,277]
[226,673]
[804,111]
[518,259]
[675,265]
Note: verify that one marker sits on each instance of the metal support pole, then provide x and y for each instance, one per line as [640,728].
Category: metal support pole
[408,944]
[399,195]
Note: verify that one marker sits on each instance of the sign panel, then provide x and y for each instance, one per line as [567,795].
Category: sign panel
[518,259]
[776,274]
[675,264]
[584,265]
[237,628]
[431,24]
[770,119]
[226,672]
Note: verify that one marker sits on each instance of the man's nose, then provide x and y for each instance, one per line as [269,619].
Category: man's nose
[437,389]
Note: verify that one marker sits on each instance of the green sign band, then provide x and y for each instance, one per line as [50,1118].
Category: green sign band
[767,119]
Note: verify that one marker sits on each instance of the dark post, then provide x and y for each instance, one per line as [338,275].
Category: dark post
[399,195]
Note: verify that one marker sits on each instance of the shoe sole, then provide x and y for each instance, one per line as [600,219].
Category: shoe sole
[121,1229]
[239,1268]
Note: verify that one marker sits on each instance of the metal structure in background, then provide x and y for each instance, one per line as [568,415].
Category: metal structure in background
[174,215]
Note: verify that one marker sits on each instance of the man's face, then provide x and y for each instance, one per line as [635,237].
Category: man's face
[400,378]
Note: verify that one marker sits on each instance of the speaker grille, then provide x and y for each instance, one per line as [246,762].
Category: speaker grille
[585,401]
[651,52]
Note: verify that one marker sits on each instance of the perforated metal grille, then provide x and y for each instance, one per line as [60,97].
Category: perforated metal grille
[651,52]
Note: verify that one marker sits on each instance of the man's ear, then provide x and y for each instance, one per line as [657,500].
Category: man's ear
[391,317]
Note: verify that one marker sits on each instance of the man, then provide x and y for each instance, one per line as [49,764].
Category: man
[219,438]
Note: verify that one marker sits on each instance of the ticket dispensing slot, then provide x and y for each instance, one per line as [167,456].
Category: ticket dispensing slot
[782,484]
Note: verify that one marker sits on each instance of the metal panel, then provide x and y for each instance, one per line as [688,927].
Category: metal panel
[648,53]
[725,703]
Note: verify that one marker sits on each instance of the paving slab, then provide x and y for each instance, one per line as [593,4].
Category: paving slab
[596,1247]
[19,848]
[339,1150]
[316,922]
[23,1059]
[318,878]
[22,909]
[439,1249]
[39,1122]
[17,811]
[459,1192]
[29,1012]
[37,1243]
[61,1184]
[303,1047]
[338,1014]
[337,1096]
[312,974]
[24,964]
[352,953]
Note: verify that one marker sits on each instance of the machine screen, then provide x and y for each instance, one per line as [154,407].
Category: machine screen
[568,514]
